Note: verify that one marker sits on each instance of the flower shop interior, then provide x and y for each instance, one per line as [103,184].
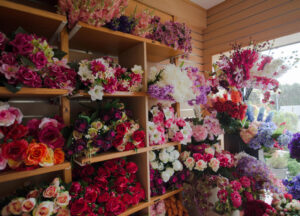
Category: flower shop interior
[149,107]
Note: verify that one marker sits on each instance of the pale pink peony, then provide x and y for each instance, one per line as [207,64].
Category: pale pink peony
[6,118]
[199,132]
[9,71]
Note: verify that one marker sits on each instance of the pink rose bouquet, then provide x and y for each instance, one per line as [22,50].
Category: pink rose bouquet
[158,209]
[51,199]
[103,76]
[29,60]
[107,189]
[92,12]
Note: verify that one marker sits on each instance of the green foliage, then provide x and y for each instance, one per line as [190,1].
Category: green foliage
[293,167]
[291,120]
[230,125]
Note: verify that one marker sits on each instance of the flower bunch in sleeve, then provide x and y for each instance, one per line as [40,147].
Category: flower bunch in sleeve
[113,127]
[286,204]
[166,170]
[29,60]
[205,159]
[52,199]
[39,143]
[103,76]
[164,126]
[106,189]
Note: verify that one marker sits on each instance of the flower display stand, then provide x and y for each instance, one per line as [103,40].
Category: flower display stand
[129,49]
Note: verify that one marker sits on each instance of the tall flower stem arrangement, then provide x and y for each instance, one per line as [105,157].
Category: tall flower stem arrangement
[28,60]
[110,126]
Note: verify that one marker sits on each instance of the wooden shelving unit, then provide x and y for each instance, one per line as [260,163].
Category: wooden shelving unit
[129,49]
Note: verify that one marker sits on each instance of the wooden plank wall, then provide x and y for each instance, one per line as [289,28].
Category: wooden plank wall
[240,20]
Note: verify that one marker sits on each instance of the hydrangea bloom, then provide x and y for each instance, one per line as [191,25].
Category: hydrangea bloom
[294,146]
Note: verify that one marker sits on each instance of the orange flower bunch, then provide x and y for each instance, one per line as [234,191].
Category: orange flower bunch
[40,154]
[175,207]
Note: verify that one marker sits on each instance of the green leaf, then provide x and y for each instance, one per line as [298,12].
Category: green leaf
[87,118]
[94,116]
[12,88]
[59,53]
[66,132]
[25,61]
[69,141]
[181,65]
[74,65]
[20,30]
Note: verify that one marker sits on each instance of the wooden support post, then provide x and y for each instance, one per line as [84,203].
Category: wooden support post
[67,175]
[65,110]
[64,41]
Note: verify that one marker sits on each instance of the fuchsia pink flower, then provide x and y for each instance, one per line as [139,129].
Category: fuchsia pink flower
[236,199]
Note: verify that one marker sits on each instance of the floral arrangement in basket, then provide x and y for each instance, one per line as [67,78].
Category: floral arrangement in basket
[106,189]
[164,126]
[52,199]
[26,59]
[204,159]
[93,12]
[285,204]
[39,143]
[173,83]
[173,34]
[166,171]
[103,76]
[111,126]
[264,133]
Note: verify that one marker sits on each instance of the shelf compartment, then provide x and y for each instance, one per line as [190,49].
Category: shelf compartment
[108,156]
[135,208]
[15,175]
[33,20]
[156,199]
[83,94]
[109,42]
[33,92]
[166,145]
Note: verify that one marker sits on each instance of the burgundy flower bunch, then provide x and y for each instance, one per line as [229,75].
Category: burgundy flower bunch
[106,189]
[101,131]
[174,34]
[259,208]
[233,195]
[28,60]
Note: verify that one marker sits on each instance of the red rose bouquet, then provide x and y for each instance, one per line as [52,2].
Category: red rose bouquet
[47,200]
[27,59]
[110,126]
[26,147]
[107,189]
[259,208]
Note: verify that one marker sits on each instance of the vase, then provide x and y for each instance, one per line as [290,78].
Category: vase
[234,144]
[280,173]
[237,213]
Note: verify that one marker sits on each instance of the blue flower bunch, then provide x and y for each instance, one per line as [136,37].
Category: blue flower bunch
[293,186]
[294,146]
[264,138]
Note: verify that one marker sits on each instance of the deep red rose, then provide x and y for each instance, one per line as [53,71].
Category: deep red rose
[117,141]
[207,157]
[52,137]
[29,77]
[121,184]
[87,171]
[103,197]
[111,165]
[33,126]
[131,167]
[115,205]
[121,162]
[197,156]
[16,131]
[100,182]
[120,172]
[121,129]
[127,199]
[138,136]
[100,210]
[103,172]
[78,206]
[257,208]
[132,178]
[90,194]
[15,150]
[129,146]
[75,188]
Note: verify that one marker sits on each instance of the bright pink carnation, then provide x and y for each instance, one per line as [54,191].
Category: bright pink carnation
[236,199]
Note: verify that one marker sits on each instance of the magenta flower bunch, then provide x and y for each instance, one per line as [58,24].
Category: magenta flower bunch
[29,60]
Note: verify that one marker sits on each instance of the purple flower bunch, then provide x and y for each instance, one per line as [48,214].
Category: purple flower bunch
[251,167]
[174,34]
[264,138]
[162,93]
[159,187]
[294,146]
[285,139]
[124,24]
[293,186]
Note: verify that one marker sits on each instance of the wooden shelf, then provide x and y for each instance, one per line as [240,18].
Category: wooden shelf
[164,196]
[166,145]
[83,94]
[33,20]
[33,92]
[134,209]
[109,155]
[14,175]
[109,42]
